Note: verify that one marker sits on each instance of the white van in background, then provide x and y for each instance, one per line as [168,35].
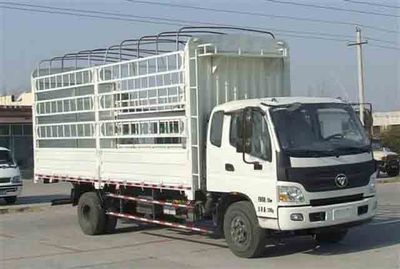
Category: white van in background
[10,177]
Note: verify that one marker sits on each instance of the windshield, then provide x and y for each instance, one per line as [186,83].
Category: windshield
[5,157]
[319,130]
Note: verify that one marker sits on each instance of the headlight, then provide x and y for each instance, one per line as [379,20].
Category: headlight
[372,187]
[16,179]
[290,194]
[372,184]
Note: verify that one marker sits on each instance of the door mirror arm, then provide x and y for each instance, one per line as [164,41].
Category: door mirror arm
[247,132]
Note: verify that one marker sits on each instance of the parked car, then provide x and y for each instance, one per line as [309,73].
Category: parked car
[10,177]
[388,161]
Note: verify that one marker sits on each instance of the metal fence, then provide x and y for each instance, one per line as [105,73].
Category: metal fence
[98,105]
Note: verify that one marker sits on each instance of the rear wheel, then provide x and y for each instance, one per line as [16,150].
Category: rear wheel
[331,237]
[244,236]
[10,200]
[111,222]
[92,216]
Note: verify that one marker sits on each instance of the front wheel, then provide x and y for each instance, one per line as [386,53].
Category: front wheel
[244,236]
[10,200]
[330,237]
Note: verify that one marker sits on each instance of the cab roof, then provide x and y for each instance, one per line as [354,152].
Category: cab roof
[275,101]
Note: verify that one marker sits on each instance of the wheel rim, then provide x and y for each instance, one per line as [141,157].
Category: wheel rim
[239,231]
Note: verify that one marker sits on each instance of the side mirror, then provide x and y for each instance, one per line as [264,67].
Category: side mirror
[244,132]
[245,135]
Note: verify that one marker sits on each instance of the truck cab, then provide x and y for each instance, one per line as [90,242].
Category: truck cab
[10,177]
[304,163]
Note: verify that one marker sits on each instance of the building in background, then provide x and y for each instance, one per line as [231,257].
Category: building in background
[25,99]
[16,129]
[385,120]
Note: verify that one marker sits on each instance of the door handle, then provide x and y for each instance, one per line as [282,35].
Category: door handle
[229,167]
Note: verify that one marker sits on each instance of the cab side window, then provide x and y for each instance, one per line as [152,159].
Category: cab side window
[260,140]
[216,128]
[234,132]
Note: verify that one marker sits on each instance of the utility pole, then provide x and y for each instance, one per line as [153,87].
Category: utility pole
[361,97]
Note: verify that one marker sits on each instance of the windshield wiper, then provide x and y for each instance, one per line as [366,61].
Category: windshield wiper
[6,164]
[352,149]
[311,153]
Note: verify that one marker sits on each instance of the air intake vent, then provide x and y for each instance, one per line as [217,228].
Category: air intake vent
[5,180]
[336,200]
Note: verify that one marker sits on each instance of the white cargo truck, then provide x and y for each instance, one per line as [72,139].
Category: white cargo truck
[195,129]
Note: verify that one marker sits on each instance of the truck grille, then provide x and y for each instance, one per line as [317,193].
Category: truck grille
[317,179]
[336,200]
[5,180]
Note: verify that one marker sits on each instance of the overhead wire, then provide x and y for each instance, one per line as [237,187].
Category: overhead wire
[374,4]
[261,15]
[177,22]
[265,15]
[385,47]
[334,8]
[87,15]
[158,20]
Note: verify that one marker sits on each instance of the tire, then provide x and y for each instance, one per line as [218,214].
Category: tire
[111,223]
[92,216]
[10,200]
[331,236]
[394,172]
[244,236]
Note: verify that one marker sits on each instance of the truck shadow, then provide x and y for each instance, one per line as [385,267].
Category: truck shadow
[37,199]
[383,231]
[187,238]
[129,226]
[158,231]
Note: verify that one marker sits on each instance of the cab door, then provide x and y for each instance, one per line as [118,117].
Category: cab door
[251,174]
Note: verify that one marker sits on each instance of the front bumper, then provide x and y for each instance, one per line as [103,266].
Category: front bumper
[325,216]
[10,190]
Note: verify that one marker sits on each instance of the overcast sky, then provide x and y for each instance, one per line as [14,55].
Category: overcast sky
[318,67]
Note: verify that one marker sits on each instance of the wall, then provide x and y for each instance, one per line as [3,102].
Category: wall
[25,99]
[16,135]
[385,120]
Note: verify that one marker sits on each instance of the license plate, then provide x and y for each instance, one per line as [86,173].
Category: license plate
[342,213]
[169,210]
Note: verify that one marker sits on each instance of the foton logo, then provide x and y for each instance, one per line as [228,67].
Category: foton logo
[341,180]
